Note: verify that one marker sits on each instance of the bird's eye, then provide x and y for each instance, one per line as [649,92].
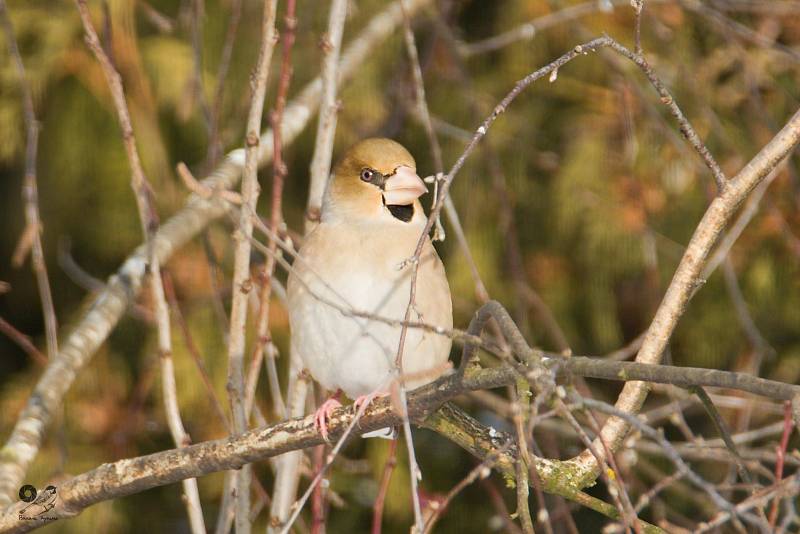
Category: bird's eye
[367,175]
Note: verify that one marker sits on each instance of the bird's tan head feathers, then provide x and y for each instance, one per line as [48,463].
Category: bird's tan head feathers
[376,178]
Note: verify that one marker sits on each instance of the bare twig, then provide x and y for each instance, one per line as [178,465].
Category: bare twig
[149,221]
[748,212]
[422,110]
[264,345]
[33,224]
[683,123]
[787,487]
[723,430]
[287,475]
[678,376]
[606,461]
[383,487]
[670,451]
[202,190]
[726,23]
[23,341]
[520,411]
[781,451]
[318,499]
[499,109]
[638,7]
[196,30]
[241,270]
[326,126]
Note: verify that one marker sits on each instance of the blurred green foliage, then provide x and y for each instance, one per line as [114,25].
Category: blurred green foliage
[603,191]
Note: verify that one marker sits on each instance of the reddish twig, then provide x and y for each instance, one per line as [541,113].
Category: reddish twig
[23,341]
[781,452]
[386,478]
[264,339]
[318,500]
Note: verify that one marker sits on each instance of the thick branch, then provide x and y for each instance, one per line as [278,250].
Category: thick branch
[134,475]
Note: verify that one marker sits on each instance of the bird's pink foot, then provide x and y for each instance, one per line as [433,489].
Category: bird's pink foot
[323,414]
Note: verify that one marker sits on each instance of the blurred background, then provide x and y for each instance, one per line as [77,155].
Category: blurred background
[579,201]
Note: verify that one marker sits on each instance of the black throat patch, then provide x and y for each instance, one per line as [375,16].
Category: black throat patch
[402,213]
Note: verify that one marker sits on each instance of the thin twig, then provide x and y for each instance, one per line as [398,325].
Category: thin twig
[607,474]
[320,167]
[149,222]
[196,26]
[520,411]
[781,451]
[30,191]
[23,341]
[202,190]
[383,487]
[318,500]
[723,430]
[264,346]
[422,108]
[479,134]
[683,123]
[241,270]
[638,7]
[668,448]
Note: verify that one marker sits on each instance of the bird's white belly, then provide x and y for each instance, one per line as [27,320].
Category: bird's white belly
[355,354]
[345,269]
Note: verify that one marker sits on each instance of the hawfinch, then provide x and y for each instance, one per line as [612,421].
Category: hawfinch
[357,259]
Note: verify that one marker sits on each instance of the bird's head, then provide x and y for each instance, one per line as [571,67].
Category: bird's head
[376,179]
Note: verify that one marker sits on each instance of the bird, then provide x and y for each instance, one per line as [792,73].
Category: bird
[357,259]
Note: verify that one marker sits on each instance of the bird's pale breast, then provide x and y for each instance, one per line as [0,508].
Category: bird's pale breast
[363,269]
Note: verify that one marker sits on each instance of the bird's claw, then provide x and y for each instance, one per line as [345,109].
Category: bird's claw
[323,415]
[366,400]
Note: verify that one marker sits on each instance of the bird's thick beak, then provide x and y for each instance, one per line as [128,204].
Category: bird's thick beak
[403,187]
